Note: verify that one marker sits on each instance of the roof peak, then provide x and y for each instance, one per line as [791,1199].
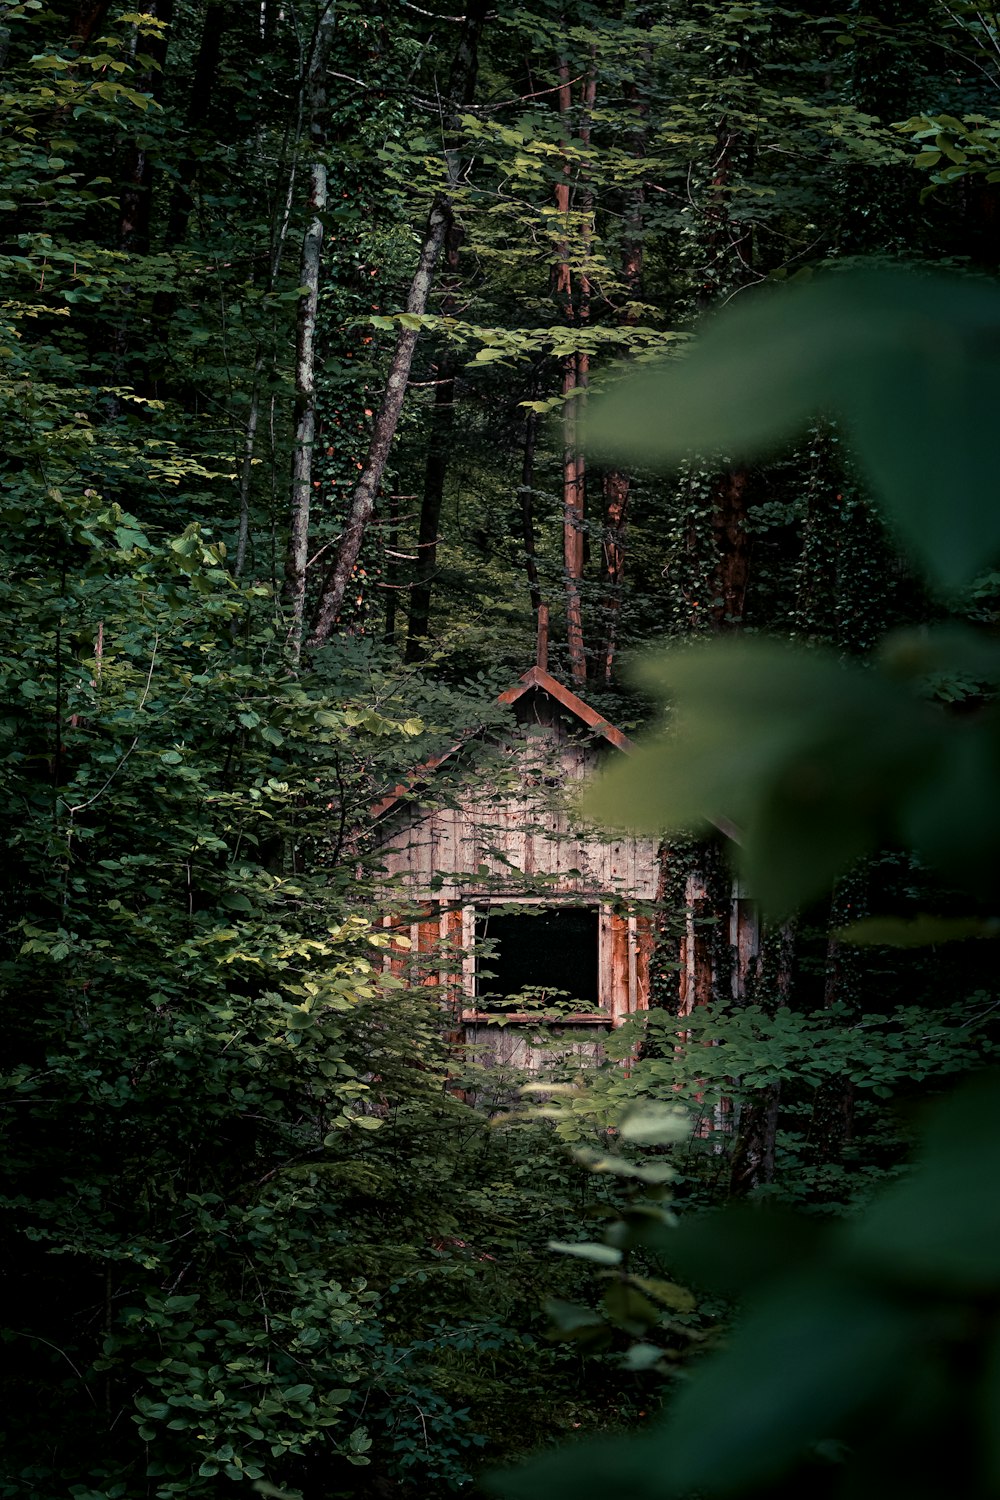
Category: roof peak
[540,678]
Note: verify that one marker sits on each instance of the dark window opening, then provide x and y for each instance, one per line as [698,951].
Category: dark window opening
[540,959]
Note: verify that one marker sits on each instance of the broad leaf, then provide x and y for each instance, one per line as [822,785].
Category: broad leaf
[942,1224]
[916,932]
[810,761]
[911,363]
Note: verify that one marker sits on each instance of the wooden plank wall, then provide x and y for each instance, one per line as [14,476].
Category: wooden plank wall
[516,835]
[501,839]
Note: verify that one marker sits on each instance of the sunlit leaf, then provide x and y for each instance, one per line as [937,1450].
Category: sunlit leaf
[602,1255]
[655,1125]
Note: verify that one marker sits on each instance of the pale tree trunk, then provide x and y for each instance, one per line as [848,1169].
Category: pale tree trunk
[305,336]
[383,432]
[246,467]
[439,223]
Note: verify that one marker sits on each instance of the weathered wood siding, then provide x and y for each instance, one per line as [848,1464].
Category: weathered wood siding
[516,836]
[516,826]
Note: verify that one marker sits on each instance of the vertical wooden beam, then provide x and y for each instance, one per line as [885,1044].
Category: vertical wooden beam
[542,647]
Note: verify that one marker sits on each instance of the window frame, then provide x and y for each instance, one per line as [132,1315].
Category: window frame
[470,1011]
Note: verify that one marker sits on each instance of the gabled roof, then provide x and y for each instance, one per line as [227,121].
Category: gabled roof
[535,678]
[538,677]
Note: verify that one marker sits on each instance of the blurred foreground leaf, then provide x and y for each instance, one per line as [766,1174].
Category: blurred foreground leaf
[853,1368]
[813,762]
[911,363]
[916,932]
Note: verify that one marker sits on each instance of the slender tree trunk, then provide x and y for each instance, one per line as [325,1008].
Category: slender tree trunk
[439,223]
[575,372]
[391,571]
[526,492]
[136,200]
[615,485]
[753,1158]
[383,432]
[305,337]
[435,472]
[246,467]
[733,549]
[832,1123]
[217,19]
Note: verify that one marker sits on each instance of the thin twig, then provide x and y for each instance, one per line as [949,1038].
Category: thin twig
[82,806]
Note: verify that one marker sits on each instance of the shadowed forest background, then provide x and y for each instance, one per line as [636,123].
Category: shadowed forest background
[303,307]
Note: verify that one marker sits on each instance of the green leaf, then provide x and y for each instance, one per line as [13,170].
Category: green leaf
[678,1298]
[630,1308]
[942,1224]
[602,1255]
[642,1357]
[617,1166]
[568,1317]
[904,359]
[297,1392]
[656,1125]
[232,901]
[808,1355]
[953,820]
[806,762]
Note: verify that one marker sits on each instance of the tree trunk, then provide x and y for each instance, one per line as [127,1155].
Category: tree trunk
[391,571]
[90,15]
[615,483]
[753,1158]
[574,514]
[526,492]
[435,471]
[615,486]
[832,1124]
[732,549]
[246,467]
[305,336]
[383,432]
[435,474]
[753,1161]
[576,371]
[217,19]
[136,201]
[439,223]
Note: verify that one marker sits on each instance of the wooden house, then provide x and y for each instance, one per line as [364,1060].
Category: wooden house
[521,912]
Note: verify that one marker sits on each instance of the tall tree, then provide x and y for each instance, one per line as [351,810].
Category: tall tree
[314,109]
[440,219]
